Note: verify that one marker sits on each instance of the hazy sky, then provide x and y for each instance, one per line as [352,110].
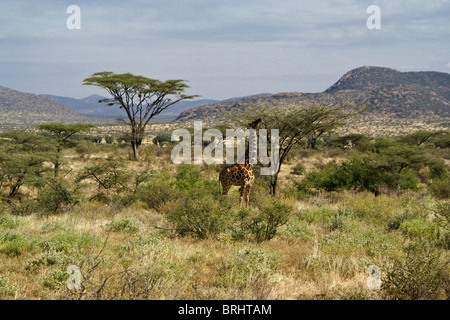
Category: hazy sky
[223,48]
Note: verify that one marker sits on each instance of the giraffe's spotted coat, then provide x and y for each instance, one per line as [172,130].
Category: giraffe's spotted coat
[239,174]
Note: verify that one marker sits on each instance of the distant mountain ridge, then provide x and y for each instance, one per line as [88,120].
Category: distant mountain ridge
[91,107]
[386,91]
[20,108]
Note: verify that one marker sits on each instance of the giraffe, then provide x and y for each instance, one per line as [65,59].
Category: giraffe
[241,174]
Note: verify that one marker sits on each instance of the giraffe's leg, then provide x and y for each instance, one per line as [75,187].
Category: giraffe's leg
[247,193]
[241,194]
[225,188]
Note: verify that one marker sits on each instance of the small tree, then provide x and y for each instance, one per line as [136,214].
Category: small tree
[419,137]
[108,175]
[22,155]
[141,98]
[62,132]
[352,140]
[442,140]
[19,169]
[55,194]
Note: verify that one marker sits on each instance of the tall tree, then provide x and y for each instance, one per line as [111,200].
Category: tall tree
[142,99]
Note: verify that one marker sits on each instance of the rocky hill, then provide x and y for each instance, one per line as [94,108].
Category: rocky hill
[387,93]
[19,108]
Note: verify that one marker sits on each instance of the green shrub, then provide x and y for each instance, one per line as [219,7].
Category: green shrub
[242,220]
[260,224]
[53,226]
[6,288]
[273,216]
[162,187]
[68,242]
[156,193]
[330,177]
[14,244]
[437,168]
[389,164]
[340,219]
[57,195]
[442,140]
[298,169]
[9,222]
[196,207]
[395,222]
[319,215]
[440,187]
[421,275]
[24,208]
[48,259]
[55,280]
[296,228]
[190,177]
[420,228]
[442,219]
[199,216]
[127,225]
[378,210]
[442,215]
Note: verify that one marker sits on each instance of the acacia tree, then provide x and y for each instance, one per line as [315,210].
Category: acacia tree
[142,99]
[295,124]
[419,137]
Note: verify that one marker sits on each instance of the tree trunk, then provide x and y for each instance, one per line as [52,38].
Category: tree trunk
[135,147]
[273,184]
[58,153]
[313,143]
[56,170]
[136,141]
[15,188]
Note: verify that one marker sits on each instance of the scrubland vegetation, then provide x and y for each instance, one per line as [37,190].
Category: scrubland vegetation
[155,230]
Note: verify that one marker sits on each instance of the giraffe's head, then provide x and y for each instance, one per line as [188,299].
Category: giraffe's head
[255,124]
